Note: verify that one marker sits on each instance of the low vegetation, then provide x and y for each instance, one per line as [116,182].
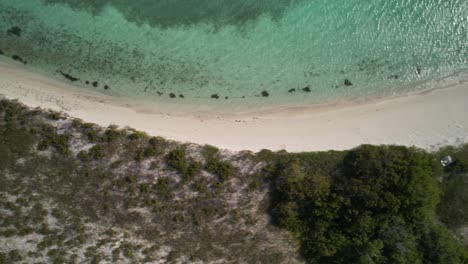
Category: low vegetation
[72,192]
[224,170]
[86,196]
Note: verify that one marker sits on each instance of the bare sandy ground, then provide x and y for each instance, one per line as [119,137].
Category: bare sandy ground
[429,120]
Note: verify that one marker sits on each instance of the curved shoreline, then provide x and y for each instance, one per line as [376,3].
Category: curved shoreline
[427,119]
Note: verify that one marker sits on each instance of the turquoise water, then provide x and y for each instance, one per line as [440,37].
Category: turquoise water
[244,52]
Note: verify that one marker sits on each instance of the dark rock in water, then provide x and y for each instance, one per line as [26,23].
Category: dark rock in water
[171,95]
[265,94]
[106,87]
[243,97]
[159,93]
[181,96]
[306,89]
[95,84]
[1,52]
[291,90]
[68,76]
[87,82]
[18,58]
[395,76]
[215,96]
[347,82]
[418,70]
[14,31]
[227,97]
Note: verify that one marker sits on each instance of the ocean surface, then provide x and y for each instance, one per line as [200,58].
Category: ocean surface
[239,53]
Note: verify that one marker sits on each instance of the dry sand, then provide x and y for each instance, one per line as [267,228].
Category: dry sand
[429,120]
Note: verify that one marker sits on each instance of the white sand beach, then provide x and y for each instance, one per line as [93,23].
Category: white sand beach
[428,119]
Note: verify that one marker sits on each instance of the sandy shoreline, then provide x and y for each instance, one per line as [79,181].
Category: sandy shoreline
[426,120]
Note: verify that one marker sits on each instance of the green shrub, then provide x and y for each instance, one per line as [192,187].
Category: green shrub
[116,254]
[149,253]
[140,155]
[209,152]
[44,229]
[50,138]
[73,258]
[60,143]
[37,213]
[157,145]
[15,143]
[438,245]
[97,152]
[265,155]
[127,250]
[43,145]
[453,209]
[112,134]
[76,123]
[193,170]
[201,186]
[9,232]
[154,165]
[155,141]
[137,135]
[92,135]
[254,185]
[144,187]
[223,169]
[162,186]
[116,164]
[171,256]
[130,179]
[217,187]
[150,151]
[83,156]
[90,131]
[54,116]
[87,125]
[14,256]
[176,160]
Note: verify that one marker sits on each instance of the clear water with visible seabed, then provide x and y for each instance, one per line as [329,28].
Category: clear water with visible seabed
[241,53]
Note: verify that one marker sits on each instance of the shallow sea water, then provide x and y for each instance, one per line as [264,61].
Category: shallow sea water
[240,53]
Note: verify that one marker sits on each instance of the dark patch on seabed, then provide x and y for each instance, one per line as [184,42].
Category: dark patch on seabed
[65,50]
[68,76]
[19,59]
[347,82]
[14,31]
[165,14]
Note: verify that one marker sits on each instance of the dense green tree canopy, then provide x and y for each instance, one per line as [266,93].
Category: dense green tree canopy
[377,205]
